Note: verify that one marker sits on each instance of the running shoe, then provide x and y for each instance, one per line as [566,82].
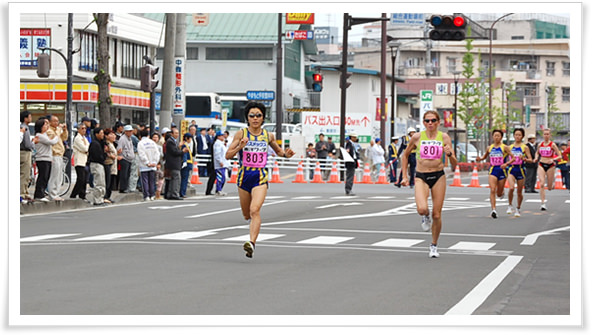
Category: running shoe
[501,197]
[426,222]
[494,214]
[434,251]
[543,207]
[249,248]
[517,213]
[510,210]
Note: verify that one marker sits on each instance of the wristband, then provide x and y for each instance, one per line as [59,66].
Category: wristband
[449,155]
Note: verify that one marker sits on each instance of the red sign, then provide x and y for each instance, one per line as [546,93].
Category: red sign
[448,119]
[299,18]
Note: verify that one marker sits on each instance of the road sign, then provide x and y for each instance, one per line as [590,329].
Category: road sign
[427,103]
[408,19]
[261,95]
[201,19]
[299,35]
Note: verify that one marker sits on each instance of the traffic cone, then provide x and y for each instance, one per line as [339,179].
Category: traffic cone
[317,175]
[367,178]
[559,181]
[334,179]
[275,175]
[507,184]
[195,176]
[475,178]
[382,176]
[456,179]
[538,185]
[234,174]
[299,174]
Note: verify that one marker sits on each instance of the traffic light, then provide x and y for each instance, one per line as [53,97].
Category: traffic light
[448,27]
[317,82]
[43,65]
[147,81]
[347,83]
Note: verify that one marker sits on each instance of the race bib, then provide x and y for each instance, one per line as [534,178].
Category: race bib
[546,151]
[517,156]
[431,150]
[255,154]
[496,160]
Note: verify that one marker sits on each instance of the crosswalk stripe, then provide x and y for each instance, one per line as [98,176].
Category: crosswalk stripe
[107,237]
[261,237]
[44,237]
[183,235]
[307,197]
[326,240]
[472,246]
[397,243]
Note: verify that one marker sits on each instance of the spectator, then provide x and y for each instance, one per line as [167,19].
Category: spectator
[57,160]
[110,163]
[125,150]
[331,146]
[322,149]
[148,157]
[221,164]
[80,147]
[25,155]
[411,159]
[134,169]
[563,163]
[159,180]
[393,159]
[187,165]
[202,149]
[351,162]
[377,155]
[311,154]
[43,157]
[210,163]
[96,156]
[531,168]
[174,156]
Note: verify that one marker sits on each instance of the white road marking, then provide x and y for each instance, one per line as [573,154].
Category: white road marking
[229,210]
[325,240]
[535,200]
[343,204]
[344,197]
[183,235]
[472,246]
[261,237]
[532,238]
[458,199]
[307,197]
[44,237]
[479,293]
[382,197]
[567,201]
[397,243]
[107,237]
[174,206]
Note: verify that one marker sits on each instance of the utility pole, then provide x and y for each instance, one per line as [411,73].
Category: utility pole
[383,41]
[279,84]
[168,65]
[179,65]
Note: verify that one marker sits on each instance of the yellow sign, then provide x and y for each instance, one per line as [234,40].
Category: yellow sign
[299,18]
[184,127]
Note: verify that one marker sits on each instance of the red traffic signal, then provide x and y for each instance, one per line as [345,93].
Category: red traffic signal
[147,77]
[447,27]
[317,82]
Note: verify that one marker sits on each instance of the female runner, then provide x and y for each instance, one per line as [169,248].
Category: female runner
[431,145]
[516,172]
[546,168]
[497,153]
[252,144]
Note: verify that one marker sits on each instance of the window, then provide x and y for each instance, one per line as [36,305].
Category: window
[451,63]
[132,59]
[565,68]
[239,53]
[565,94]
[114,48]
[517,37]
[521,65]
[550,69]
[192,53]
[88,52]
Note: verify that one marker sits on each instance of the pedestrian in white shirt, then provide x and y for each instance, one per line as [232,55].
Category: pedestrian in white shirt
[220,162]
[376,153]
[148,156]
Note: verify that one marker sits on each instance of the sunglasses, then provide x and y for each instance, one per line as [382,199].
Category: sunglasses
[255,115]
[430,120]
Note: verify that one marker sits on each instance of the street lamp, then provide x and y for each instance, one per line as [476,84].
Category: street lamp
[490,76]
[456,75]
[393,44]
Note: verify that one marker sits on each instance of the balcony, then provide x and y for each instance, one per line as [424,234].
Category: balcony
[557,120]
[309,103]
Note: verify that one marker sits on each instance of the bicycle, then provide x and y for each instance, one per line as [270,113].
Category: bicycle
[64,186]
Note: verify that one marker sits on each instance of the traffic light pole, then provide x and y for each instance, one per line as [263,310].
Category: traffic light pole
[342,79]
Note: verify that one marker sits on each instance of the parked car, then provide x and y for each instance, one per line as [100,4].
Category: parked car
[231,126]
[462,152]
[287,128]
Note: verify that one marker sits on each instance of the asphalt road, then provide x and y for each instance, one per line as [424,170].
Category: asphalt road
[319,253]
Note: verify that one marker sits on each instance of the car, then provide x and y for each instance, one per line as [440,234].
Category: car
[287,128]
[472,154]
[231,126]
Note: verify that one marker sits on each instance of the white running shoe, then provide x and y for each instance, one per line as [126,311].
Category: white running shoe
[434,251]
[543,207]
[494,214]
[510,210]
[517,213]
[249,248]
[426,222]
[152,198]
[501,197]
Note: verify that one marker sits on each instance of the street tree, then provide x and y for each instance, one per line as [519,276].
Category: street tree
[103,78]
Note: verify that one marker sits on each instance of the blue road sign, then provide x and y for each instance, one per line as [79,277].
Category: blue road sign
[261,95]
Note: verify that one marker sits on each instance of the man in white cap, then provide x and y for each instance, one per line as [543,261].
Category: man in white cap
[350,166]
[531,168]
[412,162]
[125,150]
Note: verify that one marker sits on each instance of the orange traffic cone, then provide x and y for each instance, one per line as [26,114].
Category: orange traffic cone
[538,184]
[382,176]
[475,178]
[195,176]
[456,179]
[559,181]
[234,174]
[367,178]
[275,175]
[334,179]
[317,175]
[299,174]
